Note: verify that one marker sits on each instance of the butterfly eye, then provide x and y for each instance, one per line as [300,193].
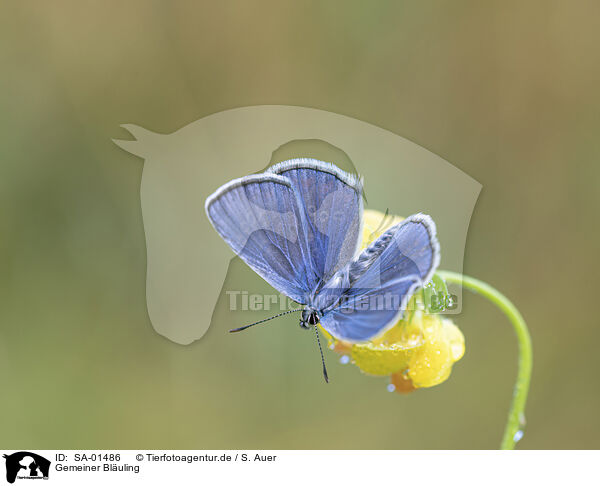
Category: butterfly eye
[313,319]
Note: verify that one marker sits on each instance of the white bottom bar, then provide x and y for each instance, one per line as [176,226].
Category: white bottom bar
[441,468]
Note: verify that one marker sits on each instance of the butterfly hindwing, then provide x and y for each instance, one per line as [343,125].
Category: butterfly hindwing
[370,294]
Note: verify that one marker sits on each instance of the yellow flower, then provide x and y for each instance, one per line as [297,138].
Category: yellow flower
[419,351]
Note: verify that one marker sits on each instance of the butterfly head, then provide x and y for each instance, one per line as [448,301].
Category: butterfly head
[309,317]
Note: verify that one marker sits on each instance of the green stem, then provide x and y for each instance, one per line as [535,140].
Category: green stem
[516,415]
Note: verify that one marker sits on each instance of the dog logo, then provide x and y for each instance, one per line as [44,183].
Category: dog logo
[26,465]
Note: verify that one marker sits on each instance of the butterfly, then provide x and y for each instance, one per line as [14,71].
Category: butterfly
[299,224]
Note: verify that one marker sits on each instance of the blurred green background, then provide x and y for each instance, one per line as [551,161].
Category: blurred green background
[506,91]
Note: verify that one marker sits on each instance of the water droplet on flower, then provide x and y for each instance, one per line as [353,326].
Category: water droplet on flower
[345,359]
[457,350]
[518,436]
[391,387]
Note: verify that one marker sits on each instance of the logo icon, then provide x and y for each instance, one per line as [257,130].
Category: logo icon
[26,465]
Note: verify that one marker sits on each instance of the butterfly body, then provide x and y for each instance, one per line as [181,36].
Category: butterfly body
[309,317]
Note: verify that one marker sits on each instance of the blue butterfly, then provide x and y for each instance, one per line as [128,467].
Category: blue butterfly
[298,225]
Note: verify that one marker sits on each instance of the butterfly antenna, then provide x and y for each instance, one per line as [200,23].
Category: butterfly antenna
[264,320]
[382,224]
[322,358]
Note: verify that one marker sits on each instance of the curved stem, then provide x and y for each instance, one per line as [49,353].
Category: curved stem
[516,415]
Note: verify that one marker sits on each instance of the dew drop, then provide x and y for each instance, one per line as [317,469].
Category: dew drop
[345,359]
[518,436]
[456,350]
[391,387]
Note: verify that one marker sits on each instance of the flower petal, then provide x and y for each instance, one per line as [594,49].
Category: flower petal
[431,364]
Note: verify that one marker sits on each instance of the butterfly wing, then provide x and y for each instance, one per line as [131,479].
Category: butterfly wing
[370,294]
[259,217]
[332,202]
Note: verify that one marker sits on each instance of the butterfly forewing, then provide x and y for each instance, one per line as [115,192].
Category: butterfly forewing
[259,218]
[332,202]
